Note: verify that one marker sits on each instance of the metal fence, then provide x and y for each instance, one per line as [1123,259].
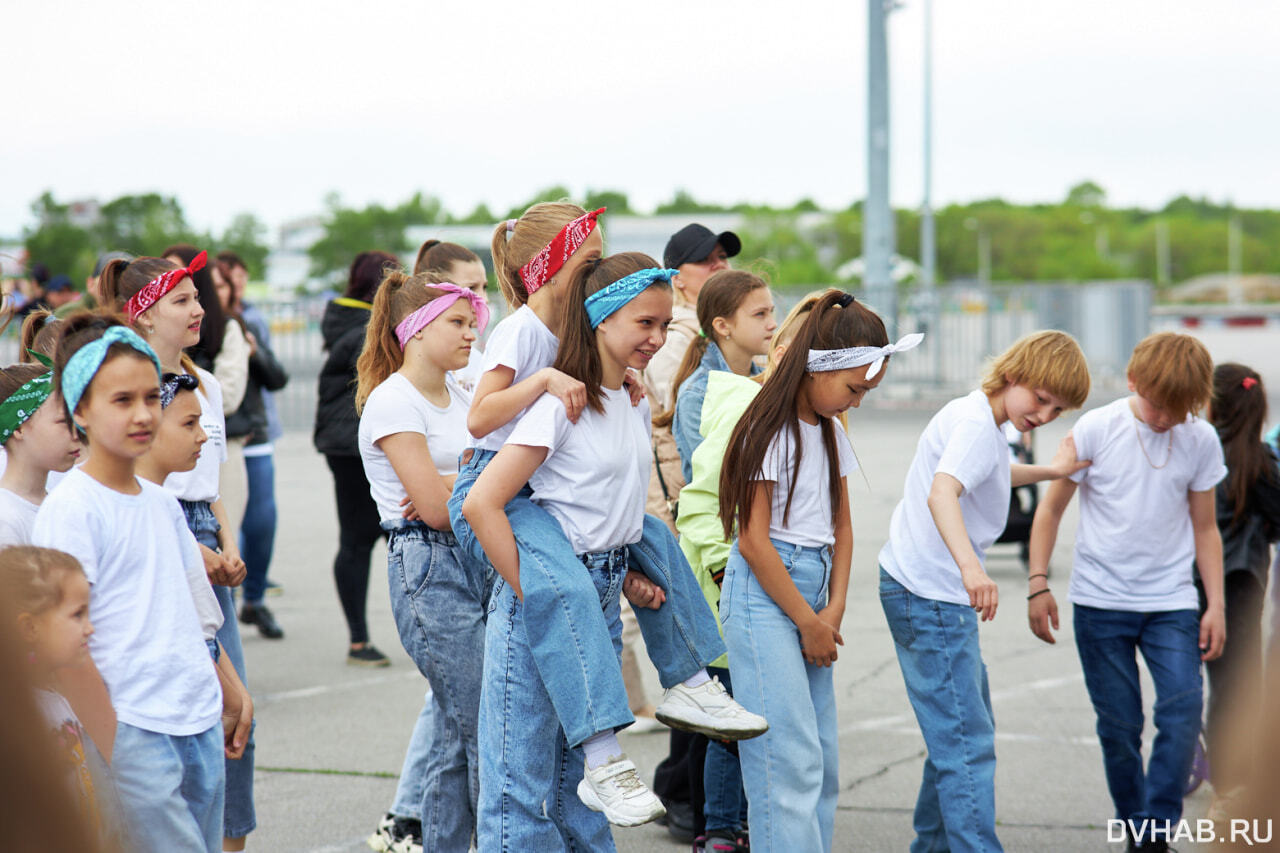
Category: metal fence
[967,324]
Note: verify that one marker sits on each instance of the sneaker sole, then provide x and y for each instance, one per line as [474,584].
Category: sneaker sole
[372,664]
[378,843]
[593,802]
[708,731]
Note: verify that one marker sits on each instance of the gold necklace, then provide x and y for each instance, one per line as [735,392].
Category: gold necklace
[1143,447]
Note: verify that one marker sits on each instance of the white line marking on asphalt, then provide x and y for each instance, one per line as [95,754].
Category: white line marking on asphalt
[321,689]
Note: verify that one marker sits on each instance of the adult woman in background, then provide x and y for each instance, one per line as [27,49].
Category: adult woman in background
[343,329]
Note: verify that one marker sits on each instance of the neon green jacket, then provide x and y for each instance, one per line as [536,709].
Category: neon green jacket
[701,534]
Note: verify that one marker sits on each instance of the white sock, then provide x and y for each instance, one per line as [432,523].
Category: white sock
[601,748]
[697,679]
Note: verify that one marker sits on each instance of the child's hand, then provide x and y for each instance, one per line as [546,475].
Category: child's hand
[1065,463]
[631,381]
[818,641]
[237,718]
[410,512]
[1042,611]
[984,595]
[234,566]
[641,591]
[570,391]
[1213,633]
[832,614]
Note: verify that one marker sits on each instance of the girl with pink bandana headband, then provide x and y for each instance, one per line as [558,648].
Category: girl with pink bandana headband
[412,430]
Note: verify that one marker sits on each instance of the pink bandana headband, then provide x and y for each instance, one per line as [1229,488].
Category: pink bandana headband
[154,290]
[544,265]
[418,320]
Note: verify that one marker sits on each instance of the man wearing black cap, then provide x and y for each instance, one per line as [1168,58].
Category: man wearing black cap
[58,292]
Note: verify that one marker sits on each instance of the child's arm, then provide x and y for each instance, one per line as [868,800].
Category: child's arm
[237,707]
[944,506]
[428,491]
[496,401]
[1042,609]
[1064,464]
[1213,625]
[818,638]
[484,507]
[841,558]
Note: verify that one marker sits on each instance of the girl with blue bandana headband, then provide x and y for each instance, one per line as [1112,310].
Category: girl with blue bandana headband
[591,477]
[131,538]
[36,437]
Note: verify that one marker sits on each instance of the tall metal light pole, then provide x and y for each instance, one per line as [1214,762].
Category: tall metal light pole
[877,217]
[928,232]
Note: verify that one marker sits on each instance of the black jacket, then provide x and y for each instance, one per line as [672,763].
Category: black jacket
[342,328]
[1246,545]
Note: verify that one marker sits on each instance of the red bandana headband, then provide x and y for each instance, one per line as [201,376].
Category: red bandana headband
[155,289]
[544,265]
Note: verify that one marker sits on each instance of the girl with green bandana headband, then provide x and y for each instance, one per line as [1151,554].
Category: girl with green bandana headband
[131,538]
[37,439]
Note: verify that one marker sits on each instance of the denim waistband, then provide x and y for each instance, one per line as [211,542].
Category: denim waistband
[200,517]
[404,527]
[479,458]
[790,549]
[611,558]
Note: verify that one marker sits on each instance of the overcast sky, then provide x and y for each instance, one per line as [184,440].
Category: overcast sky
[268,106]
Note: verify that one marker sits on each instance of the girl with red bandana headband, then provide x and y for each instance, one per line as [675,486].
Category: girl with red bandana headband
[534,256]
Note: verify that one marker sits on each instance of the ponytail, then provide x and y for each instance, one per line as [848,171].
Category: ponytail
[438,257]
[516,241]
[836,321]
[399,295]
[39,334]
[1238,410]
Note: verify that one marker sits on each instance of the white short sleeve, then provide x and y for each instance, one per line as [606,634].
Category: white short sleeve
[1212,467]
[545,424]
[965,455]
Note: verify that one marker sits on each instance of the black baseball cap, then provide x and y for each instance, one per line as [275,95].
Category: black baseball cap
[58,282]
[106,258]
[695,242]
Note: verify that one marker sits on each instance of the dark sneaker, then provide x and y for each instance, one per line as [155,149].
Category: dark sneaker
[679,821]
[367,655]
[258,614]
[716,842]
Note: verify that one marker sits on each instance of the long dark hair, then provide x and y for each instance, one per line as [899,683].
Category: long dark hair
[1238,410]
[213,326]
[578,355]
[367,271]
[837,321]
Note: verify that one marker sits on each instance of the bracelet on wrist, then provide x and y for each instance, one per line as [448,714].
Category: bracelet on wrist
[1044,575]
[1037,592]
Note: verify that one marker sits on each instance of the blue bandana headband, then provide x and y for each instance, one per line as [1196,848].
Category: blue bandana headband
[84,364]
[609,299]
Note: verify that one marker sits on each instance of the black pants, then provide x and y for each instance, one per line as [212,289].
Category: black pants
[679,777]
[1235,681]
[358,531]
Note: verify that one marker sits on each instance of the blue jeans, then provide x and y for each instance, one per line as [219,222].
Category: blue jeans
[409,801]
[529,771]
[791,772]
[941,662]
[567,633]
[171,787]
[726,802]
[439,597]
[1108,642]
[240,818]
[258,530]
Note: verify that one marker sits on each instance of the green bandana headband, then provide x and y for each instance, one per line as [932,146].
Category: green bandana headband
[22,404]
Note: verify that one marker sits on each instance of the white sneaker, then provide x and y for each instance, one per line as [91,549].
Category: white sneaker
[708,710]
[615,789]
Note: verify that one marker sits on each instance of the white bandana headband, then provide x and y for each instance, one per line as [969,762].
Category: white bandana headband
[821,360]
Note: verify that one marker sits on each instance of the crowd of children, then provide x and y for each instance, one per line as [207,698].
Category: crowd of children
[510,480]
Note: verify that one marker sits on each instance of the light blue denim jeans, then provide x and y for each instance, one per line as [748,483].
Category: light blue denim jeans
[791,772]
[241,817]
[409,801]
[567,633]
[941,662]
[172,788]
[439,597]
[529,772]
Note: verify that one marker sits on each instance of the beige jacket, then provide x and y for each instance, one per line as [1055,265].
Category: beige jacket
[658,378]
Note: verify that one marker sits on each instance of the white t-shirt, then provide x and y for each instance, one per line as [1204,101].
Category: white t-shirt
[468,376]
[201,482]
[208,610]
[396,406]
[148,645]
[1135,545]
[809,523]
[17,517]
[596,473]
[962,440]
[523,343]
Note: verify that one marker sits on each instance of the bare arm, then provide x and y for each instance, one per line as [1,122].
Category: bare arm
[1213,625]
[483,509]
[818,638]
[428,490]
[227,543]
[841,558]
[1064,464]
[944,506]
[497,402]
[85,691]
[1042,610]
[237,707]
